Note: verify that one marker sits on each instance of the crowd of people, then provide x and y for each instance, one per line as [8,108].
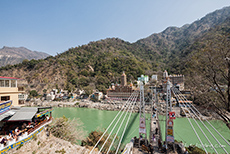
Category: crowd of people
[14,131]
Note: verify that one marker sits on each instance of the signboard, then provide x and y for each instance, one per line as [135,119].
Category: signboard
[5,106]
[170,138]
[170,132]
[142,122]
[142,128]
[170,122]
[172,115]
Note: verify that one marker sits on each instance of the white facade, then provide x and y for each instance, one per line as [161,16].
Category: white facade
[50,97]
[144,78]
[154,77]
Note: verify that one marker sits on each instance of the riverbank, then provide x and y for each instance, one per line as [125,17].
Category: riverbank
[103,105]
[117,105]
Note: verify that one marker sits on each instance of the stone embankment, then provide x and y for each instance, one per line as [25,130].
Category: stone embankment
[103,105]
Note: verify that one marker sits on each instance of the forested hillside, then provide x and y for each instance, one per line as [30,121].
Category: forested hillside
[90,66]
[172,42]
[97,64]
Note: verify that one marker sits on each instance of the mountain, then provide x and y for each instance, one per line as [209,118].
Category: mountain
[12,55]
[171,43]
[97,64]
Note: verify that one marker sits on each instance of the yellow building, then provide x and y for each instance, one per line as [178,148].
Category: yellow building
[9,90]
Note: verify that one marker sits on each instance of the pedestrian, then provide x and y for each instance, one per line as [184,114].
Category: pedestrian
[159,144]
[151,148]
[156,131]
[154,138]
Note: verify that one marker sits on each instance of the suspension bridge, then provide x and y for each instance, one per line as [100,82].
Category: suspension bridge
[206,135]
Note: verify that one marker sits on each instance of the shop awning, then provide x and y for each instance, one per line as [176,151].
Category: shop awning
[24,114]
[6,114]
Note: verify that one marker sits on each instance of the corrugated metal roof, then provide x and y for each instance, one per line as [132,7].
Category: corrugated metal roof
[24,114]
[6,114]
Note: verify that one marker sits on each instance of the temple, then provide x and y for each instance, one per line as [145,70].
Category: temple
[122,91]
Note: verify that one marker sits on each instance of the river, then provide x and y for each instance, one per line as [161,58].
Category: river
[94,119]
[184,132]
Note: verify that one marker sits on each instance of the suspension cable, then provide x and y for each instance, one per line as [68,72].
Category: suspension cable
[113,128]
[201,121]
[199,125]
[193,127]
[134,100]
[110,124]
[209,123]
[124,129]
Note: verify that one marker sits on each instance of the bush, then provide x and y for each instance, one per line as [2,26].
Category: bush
[195,150]
[93,138]
[69,130]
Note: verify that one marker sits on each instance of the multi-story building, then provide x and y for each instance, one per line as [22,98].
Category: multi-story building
[9,90]
[122,91]
[176,80]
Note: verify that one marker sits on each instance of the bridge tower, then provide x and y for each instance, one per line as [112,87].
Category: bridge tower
[142,126]
[168,104]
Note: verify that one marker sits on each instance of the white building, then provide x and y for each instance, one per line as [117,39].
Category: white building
[154,77]
[144,78]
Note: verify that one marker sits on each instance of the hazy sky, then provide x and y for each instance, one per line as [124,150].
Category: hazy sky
[54,26]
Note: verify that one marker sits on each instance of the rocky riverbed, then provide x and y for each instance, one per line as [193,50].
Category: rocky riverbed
[42,144]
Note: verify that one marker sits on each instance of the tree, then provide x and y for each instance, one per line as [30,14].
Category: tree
[210,73]
[44,91]
[33,93]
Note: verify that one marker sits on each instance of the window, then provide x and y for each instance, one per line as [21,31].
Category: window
[7,83]
[21,96]
[5,98]
[2,83]
[21,102]
[13,83]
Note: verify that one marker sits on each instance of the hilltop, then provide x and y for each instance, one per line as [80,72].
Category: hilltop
[13,55]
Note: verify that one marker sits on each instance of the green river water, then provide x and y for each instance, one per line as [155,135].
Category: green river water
[184,132]
[94,119]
